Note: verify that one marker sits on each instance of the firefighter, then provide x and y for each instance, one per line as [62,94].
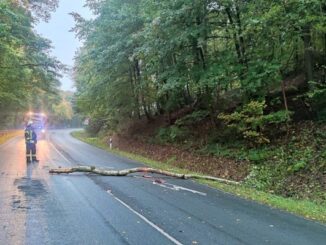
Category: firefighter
[31,141]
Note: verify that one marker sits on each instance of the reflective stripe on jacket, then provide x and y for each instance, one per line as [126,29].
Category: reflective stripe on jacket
[30,136]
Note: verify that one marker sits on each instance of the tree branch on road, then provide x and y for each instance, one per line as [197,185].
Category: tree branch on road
[125,172]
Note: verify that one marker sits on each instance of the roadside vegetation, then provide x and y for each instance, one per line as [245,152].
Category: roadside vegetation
[29,75]
[5,136]
[233,89]
[304,207]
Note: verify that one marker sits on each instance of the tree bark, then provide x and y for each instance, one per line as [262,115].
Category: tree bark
[125,172]
[135,93]
[241,38]
[308,54]
[235,38]
[142,97]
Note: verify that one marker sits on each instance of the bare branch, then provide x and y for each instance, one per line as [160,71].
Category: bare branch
[125,172]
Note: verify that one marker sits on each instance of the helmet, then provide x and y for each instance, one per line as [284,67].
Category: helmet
[30,122]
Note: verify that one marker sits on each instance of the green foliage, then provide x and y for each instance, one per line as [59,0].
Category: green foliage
[259,156]
[145,58]
[292,166]
[142,58]
[62,113]
[250,121]
[279,165]
[94,127]
[308,208]
[254,155]
[299,165]
[225,150]
[300,159]
[316,97]
[266,177]
[191,119]
[26,68]
[172,134]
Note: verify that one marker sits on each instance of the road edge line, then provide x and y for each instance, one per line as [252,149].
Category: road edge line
[160,230]
[56,149]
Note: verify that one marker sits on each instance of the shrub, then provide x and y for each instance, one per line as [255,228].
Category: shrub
[316,99]
[94,127]
[171,134]
[192,118]
[250,121]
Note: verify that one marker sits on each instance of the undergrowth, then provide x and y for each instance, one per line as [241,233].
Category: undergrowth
[294,166]
[250,189]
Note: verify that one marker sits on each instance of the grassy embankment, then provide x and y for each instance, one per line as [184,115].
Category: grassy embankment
[7,136]
[306,208]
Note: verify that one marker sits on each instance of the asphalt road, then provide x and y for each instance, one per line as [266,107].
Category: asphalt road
[39,208]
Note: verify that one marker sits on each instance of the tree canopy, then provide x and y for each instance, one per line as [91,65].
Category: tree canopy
[142,58]
[28,73]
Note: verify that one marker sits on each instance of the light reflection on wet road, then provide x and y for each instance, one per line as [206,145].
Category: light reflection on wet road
[38,208]
[23,189]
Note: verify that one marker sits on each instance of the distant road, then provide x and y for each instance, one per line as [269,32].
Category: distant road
[38,208]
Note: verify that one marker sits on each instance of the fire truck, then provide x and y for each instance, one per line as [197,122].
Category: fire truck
[39,120]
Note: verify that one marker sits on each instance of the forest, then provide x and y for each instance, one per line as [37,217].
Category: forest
[242,81]
[29,74]
[145,58]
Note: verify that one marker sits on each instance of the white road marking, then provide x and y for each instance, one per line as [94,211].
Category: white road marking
[172,239]
[178,188]
[175,187]
[56,149]
[160,230]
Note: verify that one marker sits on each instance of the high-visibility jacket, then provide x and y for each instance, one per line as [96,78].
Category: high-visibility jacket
[30,136]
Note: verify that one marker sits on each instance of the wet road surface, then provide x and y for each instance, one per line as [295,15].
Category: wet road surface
[38,208]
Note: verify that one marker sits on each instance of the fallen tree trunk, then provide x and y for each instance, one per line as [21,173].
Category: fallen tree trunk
[124,172]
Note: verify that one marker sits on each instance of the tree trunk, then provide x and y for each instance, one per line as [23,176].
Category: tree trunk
[142,97]
[308,53]
[235,38]
[125,172]
[133,87]
[241,39]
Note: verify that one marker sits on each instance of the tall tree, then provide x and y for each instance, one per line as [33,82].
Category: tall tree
[27,71]
[146,57]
